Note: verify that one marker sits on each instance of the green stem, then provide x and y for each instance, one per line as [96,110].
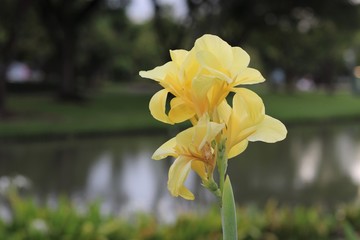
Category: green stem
[228,207]
[221,163]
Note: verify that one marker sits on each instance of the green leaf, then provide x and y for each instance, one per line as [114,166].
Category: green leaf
[228,212]
[350,233]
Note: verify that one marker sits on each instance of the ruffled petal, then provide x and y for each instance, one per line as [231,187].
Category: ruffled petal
[189,69]
[224,111]
[157,106]
[178,173]
[205,132]
[248,111]
[240,60]
[210,62]
[218,47]
[199,168]
[248,76]
[270,130]
[178,56]
[218,93]
[165,150]
[180,111]
[186,137]
[237,148]
[159,73]
[213,129]
[201,85]
[200,89]
[185,193]
[248,107]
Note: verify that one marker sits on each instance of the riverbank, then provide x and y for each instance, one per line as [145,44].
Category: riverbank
[125,111]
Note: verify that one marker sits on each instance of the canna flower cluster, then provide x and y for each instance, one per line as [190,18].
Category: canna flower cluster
[199,82]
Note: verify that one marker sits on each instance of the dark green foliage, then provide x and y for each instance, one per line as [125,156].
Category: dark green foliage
[63,222]
[207,227]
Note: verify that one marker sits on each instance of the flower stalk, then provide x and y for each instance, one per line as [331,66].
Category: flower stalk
[222,163]
[227,201]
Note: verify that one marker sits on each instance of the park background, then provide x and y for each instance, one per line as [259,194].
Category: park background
[76,135]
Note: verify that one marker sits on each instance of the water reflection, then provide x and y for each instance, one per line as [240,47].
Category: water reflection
[138,169]
[100,181]
[315,165]
[307,159]
[306,168]
[348,150]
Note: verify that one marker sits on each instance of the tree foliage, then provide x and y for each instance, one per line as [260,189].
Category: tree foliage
[12,16]
[302,37]
[78,43]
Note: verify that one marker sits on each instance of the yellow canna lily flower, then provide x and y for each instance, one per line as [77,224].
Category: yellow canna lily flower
[192,149]
[228,64]
[166,76]
[246,121]
[200,79]
[180,78]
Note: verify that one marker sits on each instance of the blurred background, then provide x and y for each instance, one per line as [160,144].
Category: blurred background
[74,118]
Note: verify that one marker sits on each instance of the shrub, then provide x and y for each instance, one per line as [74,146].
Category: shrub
[30,221]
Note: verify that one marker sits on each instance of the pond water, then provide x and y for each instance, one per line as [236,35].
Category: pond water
[318,164]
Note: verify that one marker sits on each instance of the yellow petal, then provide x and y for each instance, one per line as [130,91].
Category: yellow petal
[157,106]
[237,149]
[218,47]
[248,107]
[237,131]
[199,168]
[205,132]
[159,73]
[178,56]
[189,69]
[240,62]
[212,130]
[186,194]
[198,135]
[200,89]
[211,63]
[208,59]
[180,111]
[248,111]
[178,173]
[218,93]
[248,76]
[165,150]
[270,130]
[186,137]
[224,111]
[201,85]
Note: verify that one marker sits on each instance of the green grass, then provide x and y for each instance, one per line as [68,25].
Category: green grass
[117,110]
[313,107]
[105,113]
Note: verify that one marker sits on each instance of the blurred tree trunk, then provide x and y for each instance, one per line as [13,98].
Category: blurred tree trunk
[63,21]
[3,108]
[69,86]
[12,28]
[326,74]
[290,78]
